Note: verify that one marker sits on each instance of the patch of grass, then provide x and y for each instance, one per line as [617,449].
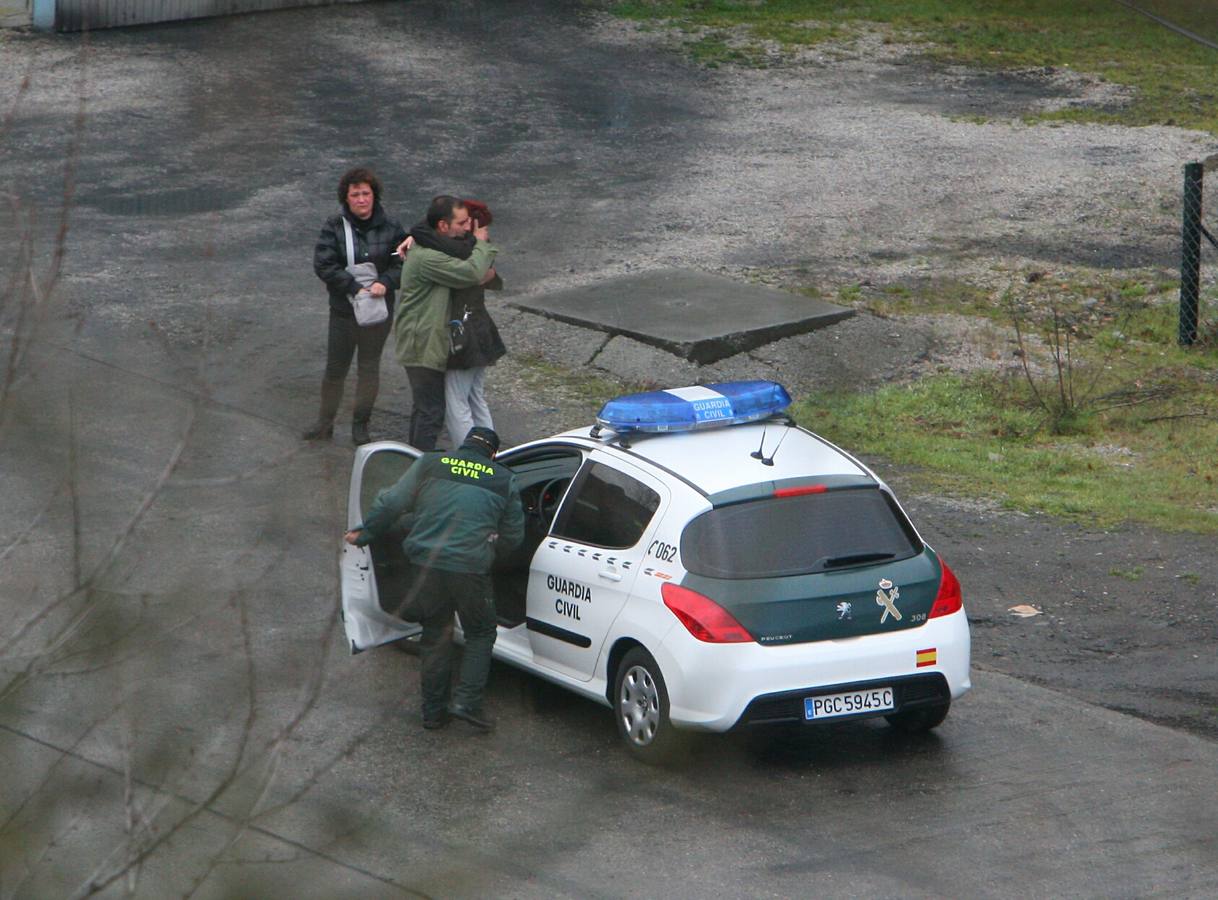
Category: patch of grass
[1127,430]
[1134,574]
[714,49]
[980,436]
[849,293]
[576,385]
[1190,577]
[974,119]
[1175,80]
[927,295]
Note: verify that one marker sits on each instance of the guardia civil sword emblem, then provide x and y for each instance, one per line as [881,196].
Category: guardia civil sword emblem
[886,597]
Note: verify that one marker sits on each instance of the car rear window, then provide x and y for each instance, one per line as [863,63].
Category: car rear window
[798,535]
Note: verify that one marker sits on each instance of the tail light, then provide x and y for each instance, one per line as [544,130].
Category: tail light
[948,600]
[703,617]
[800,491]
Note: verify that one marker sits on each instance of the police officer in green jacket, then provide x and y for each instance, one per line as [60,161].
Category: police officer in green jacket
[466,509]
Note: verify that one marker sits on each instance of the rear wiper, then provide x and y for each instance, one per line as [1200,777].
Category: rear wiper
[850,559]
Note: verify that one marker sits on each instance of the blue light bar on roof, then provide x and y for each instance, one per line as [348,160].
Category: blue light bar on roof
[690,408]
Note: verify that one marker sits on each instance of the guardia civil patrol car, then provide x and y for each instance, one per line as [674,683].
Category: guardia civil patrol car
[697,560]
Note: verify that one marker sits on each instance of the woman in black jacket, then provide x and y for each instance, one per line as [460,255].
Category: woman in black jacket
[464,398]
[375,237]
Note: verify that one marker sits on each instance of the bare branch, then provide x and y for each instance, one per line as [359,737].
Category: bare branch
[1023,363]
[73,488]
[1204,414]
[7,122]
[52,771]
[1056,344]
[96,882]
[111,556]
[34,523]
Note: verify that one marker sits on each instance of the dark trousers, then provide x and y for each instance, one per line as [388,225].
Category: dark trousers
[427,406]
[345,337]
[439,594]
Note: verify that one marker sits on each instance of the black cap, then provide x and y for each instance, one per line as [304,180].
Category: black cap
[482,439]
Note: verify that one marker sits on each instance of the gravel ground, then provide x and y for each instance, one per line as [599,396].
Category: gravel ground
[857,163]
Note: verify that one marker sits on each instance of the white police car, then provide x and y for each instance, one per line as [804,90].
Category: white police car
[697,560]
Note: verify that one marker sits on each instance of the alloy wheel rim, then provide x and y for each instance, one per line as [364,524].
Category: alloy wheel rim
[639,706]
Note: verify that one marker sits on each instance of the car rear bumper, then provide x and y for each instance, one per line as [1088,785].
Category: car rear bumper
[910,692]
[714,687]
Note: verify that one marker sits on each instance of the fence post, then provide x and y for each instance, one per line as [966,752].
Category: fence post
[1190,255]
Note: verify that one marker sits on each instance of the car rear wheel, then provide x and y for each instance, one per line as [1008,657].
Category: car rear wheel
[917,721]
[641,708]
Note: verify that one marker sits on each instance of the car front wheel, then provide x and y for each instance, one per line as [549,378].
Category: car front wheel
[916,721]
[641,708]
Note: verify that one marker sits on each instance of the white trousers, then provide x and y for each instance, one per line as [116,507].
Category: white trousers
[464,403]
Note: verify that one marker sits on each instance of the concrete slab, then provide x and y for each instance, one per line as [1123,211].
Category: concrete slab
[695,315]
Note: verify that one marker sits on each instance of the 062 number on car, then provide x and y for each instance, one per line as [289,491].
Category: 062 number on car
[662,551]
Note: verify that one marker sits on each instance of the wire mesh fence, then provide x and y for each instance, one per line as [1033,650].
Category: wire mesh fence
[1195,239]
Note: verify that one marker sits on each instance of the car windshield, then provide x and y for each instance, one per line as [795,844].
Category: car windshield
[815,532]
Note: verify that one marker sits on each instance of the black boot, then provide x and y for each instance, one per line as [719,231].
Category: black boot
[359,433]
[475,717]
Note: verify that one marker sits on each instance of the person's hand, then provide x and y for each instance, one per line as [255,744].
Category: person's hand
[405,246]
[351,536]
[489,276]
[482,233]
[377,289]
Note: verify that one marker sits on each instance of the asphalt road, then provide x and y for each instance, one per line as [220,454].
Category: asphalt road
[178,714]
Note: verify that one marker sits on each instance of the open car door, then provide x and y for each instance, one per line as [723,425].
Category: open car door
[376,578]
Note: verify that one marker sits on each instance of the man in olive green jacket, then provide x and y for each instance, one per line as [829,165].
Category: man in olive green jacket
[420,324]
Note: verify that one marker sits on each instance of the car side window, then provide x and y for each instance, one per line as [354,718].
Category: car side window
[606,508]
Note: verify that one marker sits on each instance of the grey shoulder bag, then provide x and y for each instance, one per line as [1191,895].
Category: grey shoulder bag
[369,310]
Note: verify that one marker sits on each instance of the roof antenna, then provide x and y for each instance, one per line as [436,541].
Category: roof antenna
[770,461]
[758,453]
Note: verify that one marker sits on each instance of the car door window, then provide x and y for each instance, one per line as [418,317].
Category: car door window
[391,569]
[606,508]
[375,578]
[382,470]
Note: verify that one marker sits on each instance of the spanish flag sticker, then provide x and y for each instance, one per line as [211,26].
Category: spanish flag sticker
[927,657]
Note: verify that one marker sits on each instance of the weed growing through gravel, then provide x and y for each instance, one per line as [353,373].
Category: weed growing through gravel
[924,295]
[1175,80]
[573,386]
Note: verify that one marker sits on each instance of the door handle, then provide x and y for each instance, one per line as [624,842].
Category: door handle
[610,574]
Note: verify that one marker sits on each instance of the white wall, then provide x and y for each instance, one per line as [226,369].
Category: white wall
[76,15]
